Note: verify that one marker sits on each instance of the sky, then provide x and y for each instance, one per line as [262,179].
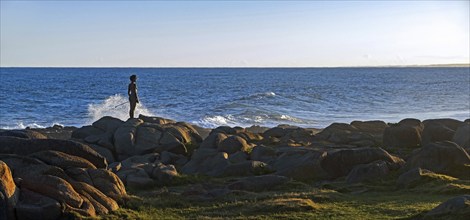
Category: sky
[233,33]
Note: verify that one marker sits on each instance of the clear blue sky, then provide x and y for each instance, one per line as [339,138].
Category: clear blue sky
[233,33]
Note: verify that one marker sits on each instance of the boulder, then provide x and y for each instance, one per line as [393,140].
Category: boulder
[106,139]
[87,208]
[246,168]
[439,130]
[225,130]
[456,207]
[407,133]
[85,190]
[108,183]
[434,132]
[462,137]
[93,207]
[283,135]
[123,173]
[148,137]
[22,166]
[256,129]
[102,203]
[125,137]
[105,152]
[442,157]
[203,132]
[13,145]
[326,133]
[300,164]
[108,124]
[250,137]
[26,134]
[206,161]
[447,122]
[39,177]
[171,158]
[263,153]
[371,127]
[53,187]
[7,185]
[36,206]
[141,168]
[140,159]
[170,143]
[258,183]
[417,176]
[368,172]
[341,162]
[238,157]
[213,140]
[279,131]
[140,136]
[85,131]
[62,160]
[9,190]
[191,129]
[138,179]
[182,132]
[233,144]
[164,173]
[341,133]
[292,136]
[79,175]
[156,120]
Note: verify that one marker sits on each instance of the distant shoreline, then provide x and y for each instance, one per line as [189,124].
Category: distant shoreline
[438,65]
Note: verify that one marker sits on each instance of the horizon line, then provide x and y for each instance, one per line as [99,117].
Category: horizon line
[241,67]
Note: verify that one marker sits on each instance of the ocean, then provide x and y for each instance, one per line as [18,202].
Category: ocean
[211,97]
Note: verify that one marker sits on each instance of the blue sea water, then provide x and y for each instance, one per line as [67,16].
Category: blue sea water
[210,97]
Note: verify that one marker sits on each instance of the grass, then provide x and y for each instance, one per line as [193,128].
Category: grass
[284,205]
[294,200]
[380,199]
[440,183]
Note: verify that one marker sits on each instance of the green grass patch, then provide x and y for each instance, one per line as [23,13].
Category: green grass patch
[294,200]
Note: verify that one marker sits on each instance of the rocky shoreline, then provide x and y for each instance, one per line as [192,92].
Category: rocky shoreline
[64,172]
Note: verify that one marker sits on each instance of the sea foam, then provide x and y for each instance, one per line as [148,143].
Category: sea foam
[21,125]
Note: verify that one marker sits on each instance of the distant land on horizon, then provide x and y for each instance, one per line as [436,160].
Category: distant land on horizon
[247,67]
[438,65]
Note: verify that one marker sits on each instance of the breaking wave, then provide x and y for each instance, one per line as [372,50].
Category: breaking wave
[115,106]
